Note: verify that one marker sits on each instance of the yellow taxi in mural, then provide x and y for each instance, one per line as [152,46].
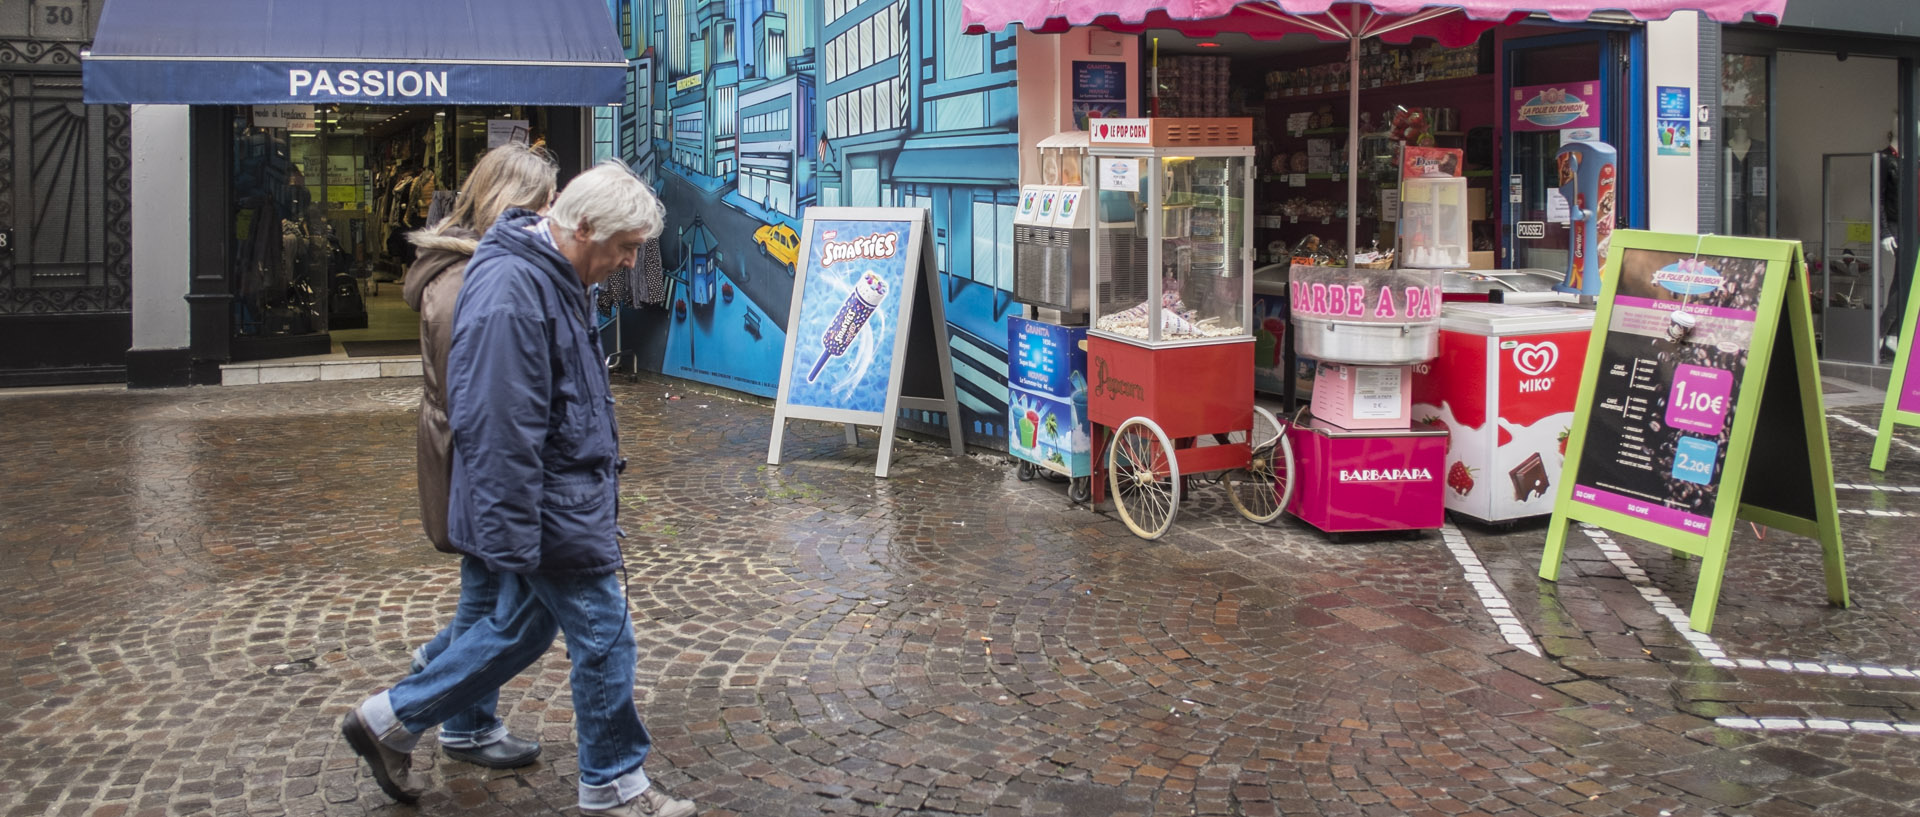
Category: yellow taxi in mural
[779,242]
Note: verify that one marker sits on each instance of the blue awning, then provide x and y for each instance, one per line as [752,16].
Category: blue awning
[980,164]
[392,52]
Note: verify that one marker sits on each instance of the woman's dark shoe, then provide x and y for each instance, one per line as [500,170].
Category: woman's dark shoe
[506,753]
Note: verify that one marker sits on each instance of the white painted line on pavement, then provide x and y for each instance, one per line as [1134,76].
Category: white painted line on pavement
[1491,598]
[1866,512]
[1870,430]
[1862,670]
[1885,489]
[1822,724]
[1703,643]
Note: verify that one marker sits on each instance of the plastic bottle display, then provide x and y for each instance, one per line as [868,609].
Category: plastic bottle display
[867,294]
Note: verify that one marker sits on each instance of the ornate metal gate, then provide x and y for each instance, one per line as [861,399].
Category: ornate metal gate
[65,196]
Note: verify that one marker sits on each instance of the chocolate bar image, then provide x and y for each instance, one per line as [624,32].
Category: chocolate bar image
[1529,479]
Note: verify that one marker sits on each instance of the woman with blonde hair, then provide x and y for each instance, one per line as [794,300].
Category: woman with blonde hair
[507,177]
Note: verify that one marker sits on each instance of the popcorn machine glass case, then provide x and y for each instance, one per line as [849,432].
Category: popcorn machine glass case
[1171,263]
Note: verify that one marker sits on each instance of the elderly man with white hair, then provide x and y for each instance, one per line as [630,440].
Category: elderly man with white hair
[535,494]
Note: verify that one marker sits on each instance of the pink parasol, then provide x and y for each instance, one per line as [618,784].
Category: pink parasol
[1452,22]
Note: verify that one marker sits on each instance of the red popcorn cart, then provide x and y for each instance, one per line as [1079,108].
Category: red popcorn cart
[1170,348]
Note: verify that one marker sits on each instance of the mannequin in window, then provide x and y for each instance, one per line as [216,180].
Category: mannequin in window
[1747,182]
[1901,280]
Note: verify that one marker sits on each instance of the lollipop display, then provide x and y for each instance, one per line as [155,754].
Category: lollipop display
[867,294]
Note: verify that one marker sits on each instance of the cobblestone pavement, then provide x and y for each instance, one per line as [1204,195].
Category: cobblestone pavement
[198,582]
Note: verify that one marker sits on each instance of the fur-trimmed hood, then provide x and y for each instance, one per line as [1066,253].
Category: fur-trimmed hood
[439,252]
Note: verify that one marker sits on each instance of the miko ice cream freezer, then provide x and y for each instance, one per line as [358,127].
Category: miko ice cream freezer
[1047,396]
[1505,385]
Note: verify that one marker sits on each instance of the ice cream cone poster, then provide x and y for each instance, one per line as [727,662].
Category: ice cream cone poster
[849,314]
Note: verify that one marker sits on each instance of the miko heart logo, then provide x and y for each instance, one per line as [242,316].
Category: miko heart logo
[1535,359]
[828,235]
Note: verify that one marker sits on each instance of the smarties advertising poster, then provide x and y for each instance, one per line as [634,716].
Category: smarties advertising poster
[1664,401]
[849,315]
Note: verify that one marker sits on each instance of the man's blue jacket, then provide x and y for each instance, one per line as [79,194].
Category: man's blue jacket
[535,488]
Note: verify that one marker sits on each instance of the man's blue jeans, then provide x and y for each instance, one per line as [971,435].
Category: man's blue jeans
[592,612]
[479,591]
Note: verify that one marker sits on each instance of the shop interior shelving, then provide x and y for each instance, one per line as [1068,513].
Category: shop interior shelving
[1474,98]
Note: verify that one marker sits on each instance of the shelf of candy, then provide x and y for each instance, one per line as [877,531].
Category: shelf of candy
[1195,87]
[1303,210]
[1381,66]
[1310,251]
[1322,158]
[1177,321]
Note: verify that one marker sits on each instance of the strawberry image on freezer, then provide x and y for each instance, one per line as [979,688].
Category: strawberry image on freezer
[1460,478]
[1434,422]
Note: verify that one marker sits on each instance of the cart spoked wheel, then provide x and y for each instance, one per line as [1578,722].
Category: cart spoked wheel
[1080,490]
[1025,471]
[1261,491]
[1144,476]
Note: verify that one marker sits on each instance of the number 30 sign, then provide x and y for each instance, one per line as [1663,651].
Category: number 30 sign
[60,19]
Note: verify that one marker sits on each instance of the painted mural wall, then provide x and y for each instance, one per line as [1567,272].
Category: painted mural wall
[743,113]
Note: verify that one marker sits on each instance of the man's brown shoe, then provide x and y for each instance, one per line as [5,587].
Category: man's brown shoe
[392,770]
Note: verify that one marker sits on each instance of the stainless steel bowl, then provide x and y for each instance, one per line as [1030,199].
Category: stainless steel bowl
[1367,344]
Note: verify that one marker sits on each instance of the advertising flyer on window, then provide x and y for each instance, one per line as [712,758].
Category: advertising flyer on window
[1673,121]
[849,314]
[1664,400]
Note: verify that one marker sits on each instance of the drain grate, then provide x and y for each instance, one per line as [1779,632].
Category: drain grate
[294,667]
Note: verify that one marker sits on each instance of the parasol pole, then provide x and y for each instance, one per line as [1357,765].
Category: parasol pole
[1353,139]
[1153,85]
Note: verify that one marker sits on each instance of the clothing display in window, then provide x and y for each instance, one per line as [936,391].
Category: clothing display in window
[645,284]
[651,289]
[1747,184]
[442,204]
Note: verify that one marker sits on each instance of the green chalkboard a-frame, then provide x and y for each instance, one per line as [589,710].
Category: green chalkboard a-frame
[1701,346]
[1903,393]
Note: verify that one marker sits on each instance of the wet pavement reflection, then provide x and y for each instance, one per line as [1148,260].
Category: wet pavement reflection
[197,582]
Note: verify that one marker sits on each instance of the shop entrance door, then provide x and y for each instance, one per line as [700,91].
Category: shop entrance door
[1577,73]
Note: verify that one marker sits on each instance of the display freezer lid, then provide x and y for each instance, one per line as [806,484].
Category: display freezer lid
[1512,319]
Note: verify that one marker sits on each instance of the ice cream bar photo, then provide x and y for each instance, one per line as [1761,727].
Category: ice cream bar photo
[867,294]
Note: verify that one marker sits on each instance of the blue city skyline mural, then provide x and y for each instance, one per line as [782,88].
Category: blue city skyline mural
[743,113]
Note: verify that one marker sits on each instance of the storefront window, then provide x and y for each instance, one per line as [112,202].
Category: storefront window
[324,197]
[281,249]
[1744,164]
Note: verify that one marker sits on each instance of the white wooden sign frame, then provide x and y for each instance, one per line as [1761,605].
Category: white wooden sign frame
[920,300]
